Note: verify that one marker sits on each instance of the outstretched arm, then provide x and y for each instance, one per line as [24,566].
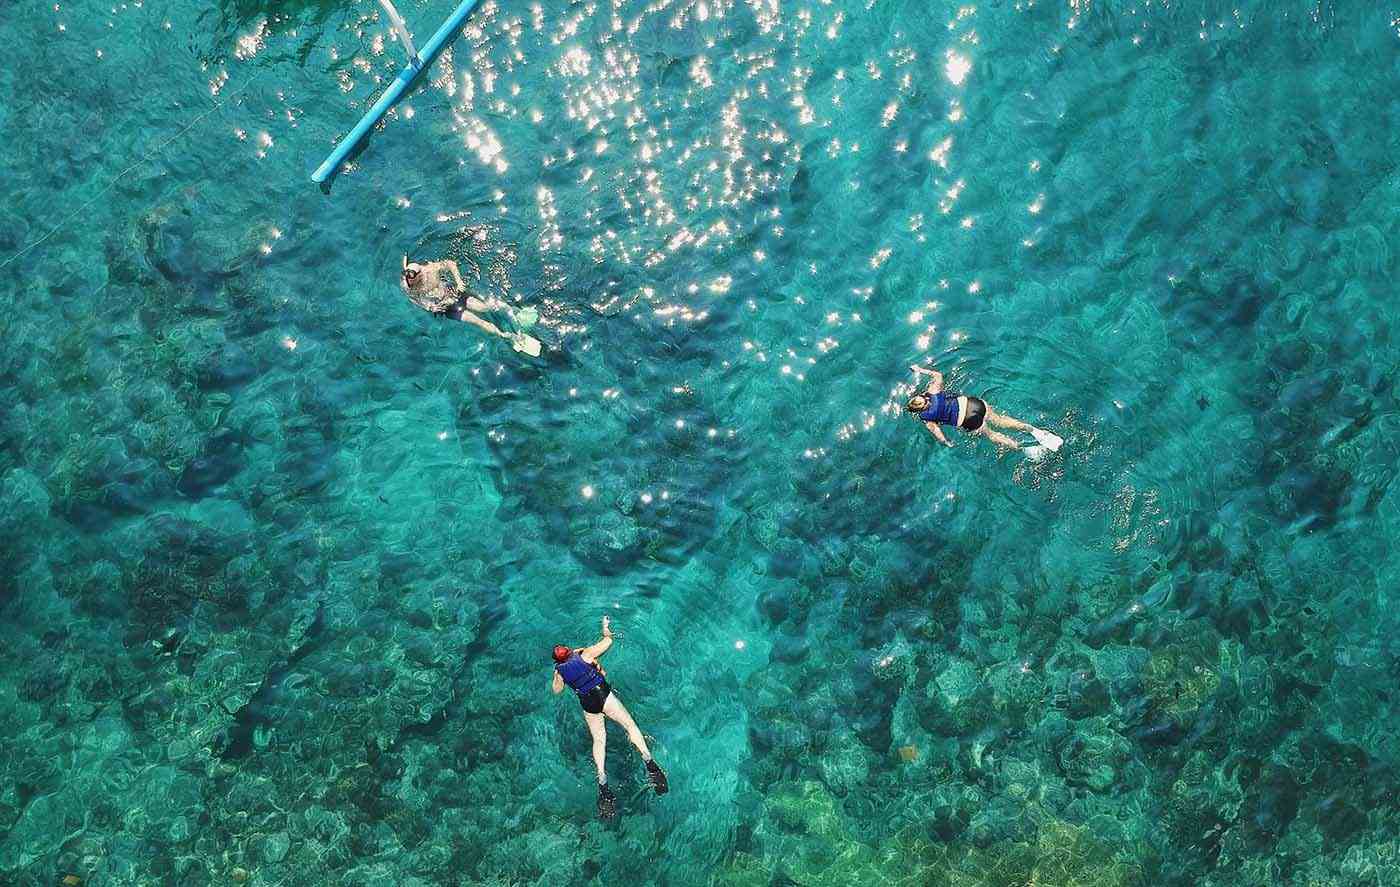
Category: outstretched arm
[938,433]
[558,684]
[935,380]
[456,274]
[592,653]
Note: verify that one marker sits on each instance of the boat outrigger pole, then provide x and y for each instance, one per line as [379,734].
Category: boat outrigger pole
[417,64]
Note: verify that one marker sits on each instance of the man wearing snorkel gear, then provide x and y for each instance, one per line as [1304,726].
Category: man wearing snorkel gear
[579,669]
[426,287]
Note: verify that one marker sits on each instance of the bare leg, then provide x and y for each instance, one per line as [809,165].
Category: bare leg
[474,303]
[598,727]
[614,709]
[998,438]
[1001,420]
[456,274]
[488,326]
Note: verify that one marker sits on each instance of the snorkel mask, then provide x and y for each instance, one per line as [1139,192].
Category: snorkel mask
[411,270]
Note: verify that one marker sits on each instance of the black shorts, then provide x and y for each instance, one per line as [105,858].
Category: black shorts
[593,700]
[976,414]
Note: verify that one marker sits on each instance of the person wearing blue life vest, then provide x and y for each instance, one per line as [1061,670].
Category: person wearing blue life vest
[578,668]
[936,408]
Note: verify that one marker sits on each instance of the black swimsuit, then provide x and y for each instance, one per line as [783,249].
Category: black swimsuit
[593,700]
[976,414]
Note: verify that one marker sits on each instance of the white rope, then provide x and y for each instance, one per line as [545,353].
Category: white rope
[118,177]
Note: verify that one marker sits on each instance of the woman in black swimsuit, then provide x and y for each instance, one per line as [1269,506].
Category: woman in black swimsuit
[936,407]
[579,669]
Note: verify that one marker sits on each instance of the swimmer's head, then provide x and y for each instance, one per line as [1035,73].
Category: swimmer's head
[917,404]
[562,652]
[411,270]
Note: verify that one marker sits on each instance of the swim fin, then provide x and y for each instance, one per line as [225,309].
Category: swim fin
[1051,442]
[607,803]
[1035,452]
[526,344]
[524,318]
[657,777]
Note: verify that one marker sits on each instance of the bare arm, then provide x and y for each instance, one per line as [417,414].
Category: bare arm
[935,378]
[558,684]
[592,653]
[938,433]
[456,274]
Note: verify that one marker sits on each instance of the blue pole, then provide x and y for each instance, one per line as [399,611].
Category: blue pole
[394,92]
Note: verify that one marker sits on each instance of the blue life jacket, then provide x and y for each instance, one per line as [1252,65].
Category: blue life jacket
[580,675]
[942,408]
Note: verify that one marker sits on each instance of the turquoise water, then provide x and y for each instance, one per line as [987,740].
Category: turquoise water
[283,557]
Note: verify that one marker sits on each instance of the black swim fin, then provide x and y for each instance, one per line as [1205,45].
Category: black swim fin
[657,778]
[607,803]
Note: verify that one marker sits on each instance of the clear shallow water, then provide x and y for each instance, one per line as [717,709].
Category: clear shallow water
[283,557]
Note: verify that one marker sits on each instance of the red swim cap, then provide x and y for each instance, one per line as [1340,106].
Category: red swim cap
[562,652]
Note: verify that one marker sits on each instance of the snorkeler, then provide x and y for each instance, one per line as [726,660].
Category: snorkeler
[579,669]
[426,287]
[936,408]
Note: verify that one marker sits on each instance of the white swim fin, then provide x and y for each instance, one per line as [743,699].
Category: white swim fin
[1051,442]
[1035,453]
[526,344]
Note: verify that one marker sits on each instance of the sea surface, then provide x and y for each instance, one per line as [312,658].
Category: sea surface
[282,557]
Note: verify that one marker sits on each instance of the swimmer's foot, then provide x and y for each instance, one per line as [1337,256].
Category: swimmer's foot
[1051,442]
[607,803]
[657,778]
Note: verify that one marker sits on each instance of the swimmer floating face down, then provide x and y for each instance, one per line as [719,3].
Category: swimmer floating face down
[579,669]
[936,407]
[425,285]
